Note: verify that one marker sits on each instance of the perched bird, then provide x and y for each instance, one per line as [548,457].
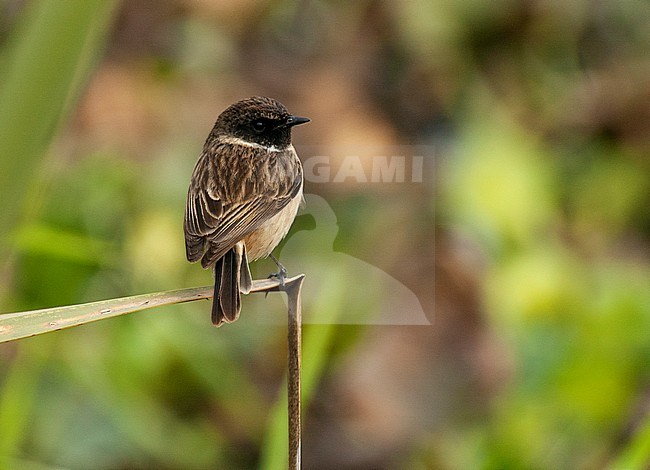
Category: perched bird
[243,197]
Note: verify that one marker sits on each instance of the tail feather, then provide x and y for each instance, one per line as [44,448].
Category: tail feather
[218,316]
[245,278]
[231,278]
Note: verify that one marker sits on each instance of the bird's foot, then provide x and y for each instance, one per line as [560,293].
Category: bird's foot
[282,271]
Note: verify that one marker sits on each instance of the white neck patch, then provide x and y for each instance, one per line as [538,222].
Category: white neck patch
[238,141]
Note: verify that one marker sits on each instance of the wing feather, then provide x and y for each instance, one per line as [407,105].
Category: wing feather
[225,204]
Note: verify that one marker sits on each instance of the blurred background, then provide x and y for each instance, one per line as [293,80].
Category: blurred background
[526,244]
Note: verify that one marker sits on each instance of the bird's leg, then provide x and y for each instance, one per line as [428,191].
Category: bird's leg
[282,271]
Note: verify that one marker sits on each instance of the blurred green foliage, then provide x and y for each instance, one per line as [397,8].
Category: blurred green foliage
[539,350]
[40,78]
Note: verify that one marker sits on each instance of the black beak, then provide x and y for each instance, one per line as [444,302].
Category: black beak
[295,121]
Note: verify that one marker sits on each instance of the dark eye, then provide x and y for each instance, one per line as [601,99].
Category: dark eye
[258,126]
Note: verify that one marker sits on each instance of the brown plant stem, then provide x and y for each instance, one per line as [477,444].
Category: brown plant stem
[293,287]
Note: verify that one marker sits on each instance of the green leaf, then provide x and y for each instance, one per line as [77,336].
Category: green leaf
[55,242]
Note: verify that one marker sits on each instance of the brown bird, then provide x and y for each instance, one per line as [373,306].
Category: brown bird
[243,197]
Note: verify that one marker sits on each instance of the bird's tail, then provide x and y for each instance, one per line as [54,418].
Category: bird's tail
[232,277]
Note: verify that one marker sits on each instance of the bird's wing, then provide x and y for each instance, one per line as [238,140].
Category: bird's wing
[223,205]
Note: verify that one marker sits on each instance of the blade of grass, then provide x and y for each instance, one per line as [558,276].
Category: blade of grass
[46,59]
[19,325]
